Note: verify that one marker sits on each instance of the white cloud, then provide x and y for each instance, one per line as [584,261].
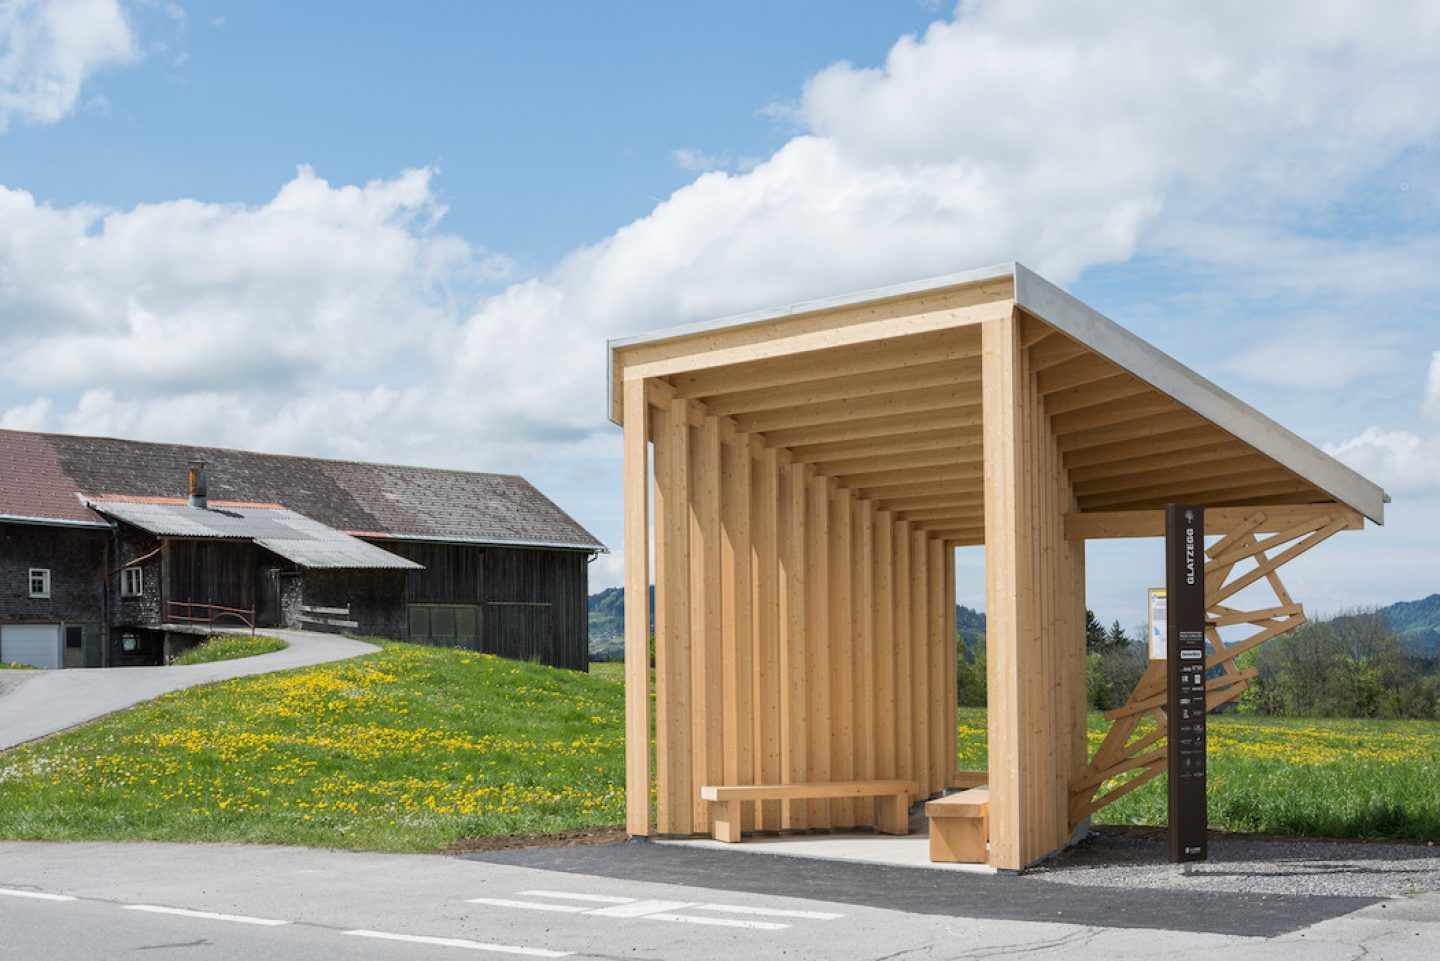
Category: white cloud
[1400,461]
[49,48]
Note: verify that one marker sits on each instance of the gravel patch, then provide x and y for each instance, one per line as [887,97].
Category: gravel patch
[1250,865]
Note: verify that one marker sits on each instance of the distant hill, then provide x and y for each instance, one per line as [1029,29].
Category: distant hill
[607,623]
[1417,624]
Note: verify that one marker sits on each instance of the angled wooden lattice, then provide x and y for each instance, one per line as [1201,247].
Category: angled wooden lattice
[1238,560]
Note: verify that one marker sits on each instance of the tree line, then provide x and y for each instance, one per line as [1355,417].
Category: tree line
[1352,665]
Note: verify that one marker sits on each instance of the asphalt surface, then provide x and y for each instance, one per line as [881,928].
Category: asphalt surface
[35,704]
[84,901]
[921,891]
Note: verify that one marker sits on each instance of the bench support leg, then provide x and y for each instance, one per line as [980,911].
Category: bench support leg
[892,814]
[958,840]
[727,820]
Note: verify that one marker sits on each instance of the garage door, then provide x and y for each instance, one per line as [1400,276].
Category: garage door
[35,644]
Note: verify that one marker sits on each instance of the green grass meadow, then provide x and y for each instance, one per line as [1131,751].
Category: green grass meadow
[228,647]
[412,748]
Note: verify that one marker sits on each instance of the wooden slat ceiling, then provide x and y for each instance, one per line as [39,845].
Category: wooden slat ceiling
[899,423]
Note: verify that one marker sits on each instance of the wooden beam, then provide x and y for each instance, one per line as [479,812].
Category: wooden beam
[909,402]
[1113,412]
[1217,494]
[902,443]
[1102,391]
[737,600]
[784,372]
[1218,520]
[823,339]
[1083,369]
[1167,441]
[950,373]
[970,454]
[1148,428]
[638,822]
[765,561]
[1230,467]
[1189,458]
[883,475]
[870,427]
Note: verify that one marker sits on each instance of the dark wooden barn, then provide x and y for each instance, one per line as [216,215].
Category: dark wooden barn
[481,561]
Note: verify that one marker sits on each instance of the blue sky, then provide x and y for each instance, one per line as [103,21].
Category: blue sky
[400,232]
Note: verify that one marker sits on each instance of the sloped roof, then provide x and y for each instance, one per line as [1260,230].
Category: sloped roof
[42,474]
[883,390]
[293,536]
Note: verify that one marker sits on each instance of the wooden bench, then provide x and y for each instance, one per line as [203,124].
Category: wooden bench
[892,808]
[960,826]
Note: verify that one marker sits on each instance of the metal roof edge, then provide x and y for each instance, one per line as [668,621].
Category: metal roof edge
[52,522]
[595,547]
[928,285]
[1146,361]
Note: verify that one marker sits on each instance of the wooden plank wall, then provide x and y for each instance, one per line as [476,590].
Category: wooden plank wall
[1035,608]
[800,634]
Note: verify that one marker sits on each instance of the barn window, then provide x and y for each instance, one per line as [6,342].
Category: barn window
[39,582]
[132,582]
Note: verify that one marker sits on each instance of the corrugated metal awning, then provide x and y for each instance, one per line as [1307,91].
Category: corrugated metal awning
[295,537]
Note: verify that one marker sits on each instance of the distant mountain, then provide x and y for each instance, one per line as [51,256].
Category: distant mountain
[1417,624]
[969,624]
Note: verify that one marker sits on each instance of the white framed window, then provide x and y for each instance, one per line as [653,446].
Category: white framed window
[39,582]
[132,582]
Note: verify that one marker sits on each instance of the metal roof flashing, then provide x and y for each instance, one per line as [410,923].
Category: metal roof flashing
[1083,323]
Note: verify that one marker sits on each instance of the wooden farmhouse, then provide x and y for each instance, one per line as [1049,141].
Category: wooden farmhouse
[117,552]
[800,479]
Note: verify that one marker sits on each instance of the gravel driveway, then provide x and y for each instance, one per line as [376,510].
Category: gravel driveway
[36,703]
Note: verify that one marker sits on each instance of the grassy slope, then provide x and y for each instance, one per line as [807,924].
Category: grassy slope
[228,647]
[414,747]
[406,749]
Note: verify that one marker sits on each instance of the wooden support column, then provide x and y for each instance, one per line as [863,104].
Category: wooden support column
[794,708]
[637,610]
[900,615]
[706,654]
[920,635]
[736,601]
[674,809]
[883,633]
[941,647]
[861,607]
[1007,544]
[817,641]
[765,562]
[843,749]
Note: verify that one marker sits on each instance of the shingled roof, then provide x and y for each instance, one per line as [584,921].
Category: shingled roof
[42,474]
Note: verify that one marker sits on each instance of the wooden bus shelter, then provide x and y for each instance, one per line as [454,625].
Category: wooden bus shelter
[806,473]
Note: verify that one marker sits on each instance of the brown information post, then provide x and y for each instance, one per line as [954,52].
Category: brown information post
[1185,636]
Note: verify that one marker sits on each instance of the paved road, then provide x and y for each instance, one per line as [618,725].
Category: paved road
[36,703]
[94,901]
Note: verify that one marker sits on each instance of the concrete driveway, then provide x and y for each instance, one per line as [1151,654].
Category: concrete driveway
[36,703]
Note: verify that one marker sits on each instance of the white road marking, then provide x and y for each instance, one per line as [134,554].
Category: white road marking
[718,922]
[208,915]
[35,895]
[530,905]
[639,909]
[601,898]
[462,943]
[770,912]
[618,907]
